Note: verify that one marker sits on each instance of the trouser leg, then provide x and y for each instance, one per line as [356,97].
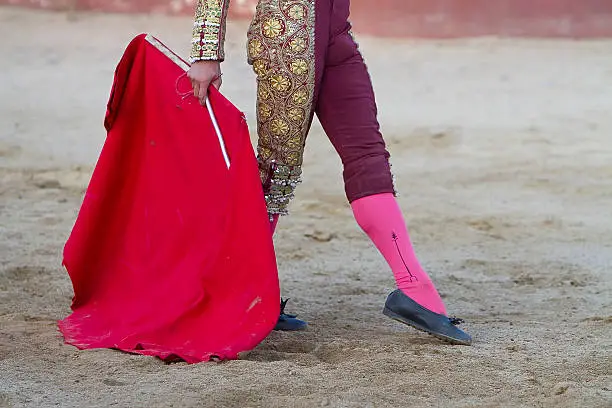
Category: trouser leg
[287,42]
[347,110]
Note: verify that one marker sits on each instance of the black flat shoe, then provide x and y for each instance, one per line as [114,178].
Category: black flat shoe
[287,322]
[405,310]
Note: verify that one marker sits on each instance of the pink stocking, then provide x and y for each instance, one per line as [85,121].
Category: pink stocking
[273,222]
[381,219]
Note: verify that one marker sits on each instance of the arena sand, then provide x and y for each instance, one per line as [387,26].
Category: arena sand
[503,155]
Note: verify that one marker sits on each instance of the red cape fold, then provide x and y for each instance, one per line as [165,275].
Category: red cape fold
[171,254]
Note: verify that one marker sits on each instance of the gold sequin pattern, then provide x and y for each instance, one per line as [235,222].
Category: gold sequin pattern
[281,51]
[209,30]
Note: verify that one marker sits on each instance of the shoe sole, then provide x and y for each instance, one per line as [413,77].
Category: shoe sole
[389,313]
[302,328]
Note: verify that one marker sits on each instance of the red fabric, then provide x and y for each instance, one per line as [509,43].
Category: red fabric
[171,254]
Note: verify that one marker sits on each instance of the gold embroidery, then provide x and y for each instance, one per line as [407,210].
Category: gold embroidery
[261,68]
[265,111]
[273,28]
[296,114]
[255,48]
[297,12]
[298,44]
[209,30]
[299,67]
[280,83]
[300,97]
[279,127]
[281,50]
[263,93]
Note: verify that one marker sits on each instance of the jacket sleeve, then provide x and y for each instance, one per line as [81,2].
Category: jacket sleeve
[209,31]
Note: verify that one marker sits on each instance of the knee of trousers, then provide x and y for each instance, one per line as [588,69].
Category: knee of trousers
[368,175]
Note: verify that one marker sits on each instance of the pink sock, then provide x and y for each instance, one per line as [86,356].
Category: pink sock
[273,222]
[381,218]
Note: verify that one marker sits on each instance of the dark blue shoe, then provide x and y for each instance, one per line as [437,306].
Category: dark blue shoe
[287,322]
[405,310]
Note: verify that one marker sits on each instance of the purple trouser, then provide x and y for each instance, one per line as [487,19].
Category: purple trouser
[307,63]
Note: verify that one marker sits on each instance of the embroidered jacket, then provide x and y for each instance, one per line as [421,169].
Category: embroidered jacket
[209,31]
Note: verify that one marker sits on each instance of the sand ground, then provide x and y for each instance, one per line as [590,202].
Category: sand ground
[503,155]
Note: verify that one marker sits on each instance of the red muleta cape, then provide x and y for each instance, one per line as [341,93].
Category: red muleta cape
[171,254]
